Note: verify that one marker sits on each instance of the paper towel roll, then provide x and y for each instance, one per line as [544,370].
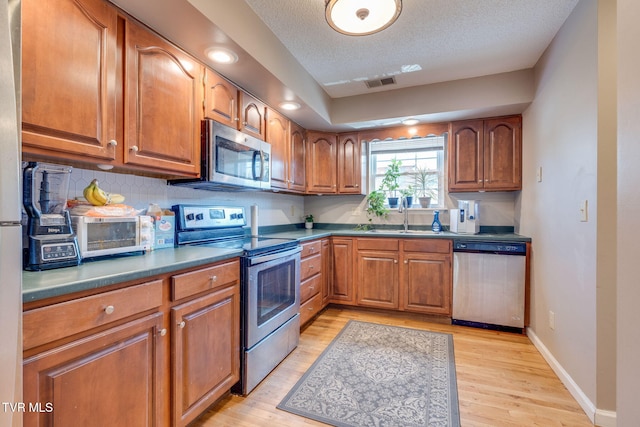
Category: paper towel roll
[254,220]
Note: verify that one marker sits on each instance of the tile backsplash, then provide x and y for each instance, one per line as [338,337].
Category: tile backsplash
[139,191]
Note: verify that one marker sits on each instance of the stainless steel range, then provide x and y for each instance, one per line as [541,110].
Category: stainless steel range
[270,285]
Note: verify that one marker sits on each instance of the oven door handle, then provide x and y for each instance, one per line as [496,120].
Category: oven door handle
[271,257]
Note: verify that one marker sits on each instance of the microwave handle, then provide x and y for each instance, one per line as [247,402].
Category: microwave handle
[259,177]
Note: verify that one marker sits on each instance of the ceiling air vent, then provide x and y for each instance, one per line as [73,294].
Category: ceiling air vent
[380,82]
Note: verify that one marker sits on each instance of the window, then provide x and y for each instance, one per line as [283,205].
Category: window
[422,166]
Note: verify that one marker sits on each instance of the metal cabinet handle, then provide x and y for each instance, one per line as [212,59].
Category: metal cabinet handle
[163,332]
[113,143]
[109,309]
[312,287]
[395,261]
[213,278]
[135,148]
[406,262]
[182,324]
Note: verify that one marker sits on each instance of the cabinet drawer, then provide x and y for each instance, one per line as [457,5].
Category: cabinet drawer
[310,248]
[194,282]
[379,244]
[427,245]
[309,288]
[53,322]
[310,308]
[310,266]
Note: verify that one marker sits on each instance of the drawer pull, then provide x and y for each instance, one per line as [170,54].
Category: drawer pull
[182,324]
[312,287]
[213,278]
[109,309]
[311,267]
[163,332]
[395,261]
[310,308]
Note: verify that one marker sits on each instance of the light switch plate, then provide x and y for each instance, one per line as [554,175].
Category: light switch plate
[584,211]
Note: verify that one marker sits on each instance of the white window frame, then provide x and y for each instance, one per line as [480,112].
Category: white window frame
[405,146]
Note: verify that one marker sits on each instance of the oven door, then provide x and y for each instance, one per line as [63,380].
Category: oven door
[272,285]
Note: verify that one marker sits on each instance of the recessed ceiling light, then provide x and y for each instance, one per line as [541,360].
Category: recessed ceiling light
[289,105]
[221,55]
[410,122]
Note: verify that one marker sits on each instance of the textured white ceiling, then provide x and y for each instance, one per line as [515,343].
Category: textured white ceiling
[446,39]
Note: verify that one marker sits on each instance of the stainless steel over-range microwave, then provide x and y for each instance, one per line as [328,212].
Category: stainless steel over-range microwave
[231,160]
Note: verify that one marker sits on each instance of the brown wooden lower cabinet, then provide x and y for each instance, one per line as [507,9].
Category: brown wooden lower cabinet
[313,276]
[110,378]
[156,353]
[394,274]
[342,290]
[206,351]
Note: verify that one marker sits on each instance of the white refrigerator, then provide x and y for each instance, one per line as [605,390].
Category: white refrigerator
[10,214]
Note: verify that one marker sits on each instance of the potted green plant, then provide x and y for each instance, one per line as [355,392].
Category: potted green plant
[375,209]
[423,182]
[407,193]
[308,221]
[391,182]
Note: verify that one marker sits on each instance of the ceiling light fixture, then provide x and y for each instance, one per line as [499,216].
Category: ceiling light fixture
[410,122]
[221,55]
[289,105]
[361,17]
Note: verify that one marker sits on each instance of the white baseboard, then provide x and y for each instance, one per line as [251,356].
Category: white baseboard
[598,417]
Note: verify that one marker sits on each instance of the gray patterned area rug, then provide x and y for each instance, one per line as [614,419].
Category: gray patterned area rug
[379,375]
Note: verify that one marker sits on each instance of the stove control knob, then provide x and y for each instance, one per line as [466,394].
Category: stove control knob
[190,217]
[240,216]
[199,217]
[233,216]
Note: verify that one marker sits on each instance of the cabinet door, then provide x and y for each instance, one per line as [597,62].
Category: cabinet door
[69,90]
[342,287]
[377,279]
[503,154]
[297,159]
[252,114]
[221,99]
[277,134]
[466,146]
[206,350]
[349,164]
[427,283]
[107,379]
[321,162]
[163,105]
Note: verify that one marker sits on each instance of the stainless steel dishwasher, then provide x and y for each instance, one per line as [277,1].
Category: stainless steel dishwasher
[489,284]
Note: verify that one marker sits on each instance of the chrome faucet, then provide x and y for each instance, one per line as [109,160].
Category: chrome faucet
[403,207]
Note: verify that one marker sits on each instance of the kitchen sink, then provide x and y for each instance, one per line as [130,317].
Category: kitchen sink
[401,231]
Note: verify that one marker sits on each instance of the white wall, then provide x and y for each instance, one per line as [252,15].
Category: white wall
[628,376]
[560,131]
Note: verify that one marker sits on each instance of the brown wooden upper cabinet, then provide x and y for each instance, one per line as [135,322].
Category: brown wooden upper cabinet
[100,89]
[322,149]
[69,89]
[221,99]
[163,104]
[287,152]
[252,112]
[277,134]
[486,155]
[350,177]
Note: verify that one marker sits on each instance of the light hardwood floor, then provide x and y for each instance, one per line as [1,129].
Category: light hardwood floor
[502,379]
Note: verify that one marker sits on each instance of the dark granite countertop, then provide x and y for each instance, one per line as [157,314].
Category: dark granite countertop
[96,274]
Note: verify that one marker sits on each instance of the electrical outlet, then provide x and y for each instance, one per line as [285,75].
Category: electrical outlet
[552,320]
[539,174]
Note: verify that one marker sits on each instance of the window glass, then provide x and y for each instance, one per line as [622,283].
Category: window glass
[422,168]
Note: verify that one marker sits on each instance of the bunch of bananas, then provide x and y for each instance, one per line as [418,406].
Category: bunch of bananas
[98,197]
